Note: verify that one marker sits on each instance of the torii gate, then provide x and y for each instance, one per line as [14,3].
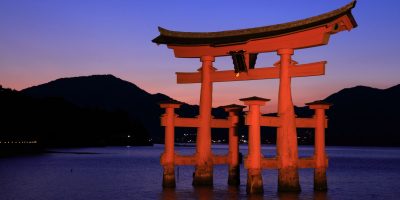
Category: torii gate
[244,45]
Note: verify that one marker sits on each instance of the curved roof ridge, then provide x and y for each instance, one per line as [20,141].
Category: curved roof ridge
[178,37]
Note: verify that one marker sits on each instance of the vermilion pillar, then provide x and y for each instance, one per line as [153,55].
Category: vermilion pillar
[253,160]
[167,158]
[320,182]
[287,152]
[233,155]
[204,167]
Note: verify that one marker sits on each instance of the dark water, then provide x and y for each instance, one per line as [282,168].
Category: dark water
[135,173]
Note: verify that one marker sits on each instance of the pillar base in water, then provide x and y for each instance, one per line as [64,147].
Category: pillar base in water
[203,176]
[254,182]
[169,177]
[288,180]
[320,183]
[234,176]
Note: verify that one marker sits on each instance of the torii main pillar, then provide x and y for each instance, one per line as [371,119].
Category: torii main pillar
[203,174]
[287,152]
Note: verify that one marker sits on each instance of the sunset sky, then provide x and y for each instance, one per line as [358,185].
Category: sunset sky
[42,40]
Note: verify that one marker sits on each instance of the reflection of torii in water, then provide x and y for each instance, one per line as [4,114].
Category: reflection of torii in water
[244,45]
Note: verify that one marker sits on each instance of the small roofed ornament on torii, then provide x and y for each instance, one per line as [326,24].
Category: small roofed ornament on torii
[243,46]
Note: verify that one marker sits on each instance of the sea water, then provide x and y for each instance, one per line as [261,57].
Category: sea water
[135,173]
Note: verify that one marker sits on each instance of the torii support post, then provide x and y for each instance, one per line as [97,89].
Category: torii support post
[320,182]
[253,160]
[233,155]
[203,175]
[167,158]
[287,152]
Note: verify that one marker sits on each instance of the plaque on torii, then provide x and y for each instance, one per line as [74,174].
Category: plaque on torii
[243,46]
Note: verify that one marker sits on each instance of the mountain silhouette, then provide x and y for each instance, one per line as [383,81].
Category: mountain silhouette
[105,92]
[53,121]
[114,94]
[359,116]
[362,116]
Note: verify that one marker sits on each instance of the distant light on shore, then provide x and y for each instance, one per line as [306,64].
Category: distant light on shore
[18,142]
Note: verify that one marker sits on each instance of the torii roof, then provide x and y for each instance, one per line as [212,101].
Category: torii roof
[243,35]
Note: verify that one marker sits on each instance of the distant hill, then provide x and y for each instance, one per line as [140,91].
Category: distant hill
[363,116]
[113,94]
[359,115]
[106,92]
[53,121]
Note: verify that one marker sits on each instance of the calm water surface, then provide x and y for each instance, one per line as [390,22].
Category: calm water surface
[135,173]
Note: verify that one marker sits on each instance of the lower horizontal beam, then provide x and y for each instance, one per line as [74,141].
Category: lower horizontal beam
[220,159]
[186,122]
[227,123]
[308,123]
[275,122]
[269,163]
[273,163]
[221,123]
[309,162]
[185,160]
[270,121]
[191,160]
[266,163]
[195,122]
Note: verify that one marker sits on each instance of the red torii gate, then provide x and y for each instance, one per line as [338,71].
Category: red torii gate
[244,45]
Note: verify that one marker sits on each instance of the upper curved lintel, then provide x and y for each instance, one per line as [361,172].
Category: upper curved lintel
[242,35]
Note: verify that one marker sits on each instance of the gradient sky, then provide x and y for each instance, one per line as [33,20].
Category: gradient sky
[42,40]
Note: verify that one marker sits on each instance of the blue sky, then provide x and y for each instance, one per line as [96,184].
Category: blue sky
[42,40]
